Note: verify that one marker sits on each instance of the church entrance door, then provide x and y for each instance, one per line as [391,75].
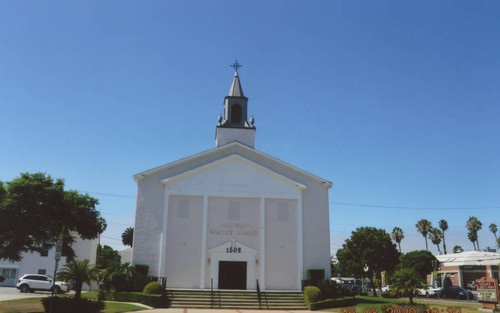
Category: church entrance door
[232,275]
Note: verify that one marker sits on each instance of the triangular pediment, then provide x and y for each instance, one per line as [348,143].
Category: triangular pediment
[234,173]
[230,147]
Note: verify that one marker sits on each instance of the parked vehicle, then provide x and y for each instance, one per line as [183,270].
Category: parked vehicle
[357,288]
[428,291]
[32,282]
[455,292]
[386,288]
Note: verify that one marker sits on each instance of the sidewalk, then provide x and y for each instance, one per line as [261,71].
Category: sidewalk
[216,310]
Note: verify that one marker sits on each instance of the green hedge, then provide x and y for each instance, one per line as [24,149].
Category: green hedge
[333,303]
[315,274]
[156,301]
[312,294]
[70,304]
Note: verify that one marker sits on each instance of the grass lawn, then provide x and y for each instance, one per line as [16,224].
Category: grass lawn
[34,305]
[366,304]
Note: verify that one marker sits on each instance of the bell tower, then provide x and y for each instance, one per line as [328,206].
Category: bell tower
[235,126]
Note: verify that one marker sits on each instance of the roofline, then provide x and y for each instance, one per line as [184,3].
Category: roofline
[172,179]
[140,176]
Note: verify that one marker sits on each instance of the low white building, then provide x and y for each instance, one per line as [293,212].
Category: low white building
[232,215]
[465,267]
[36,263]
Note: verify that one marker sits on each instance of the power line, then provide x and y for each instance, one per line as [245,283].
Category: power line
[108,194]
[412,208]
[342,203]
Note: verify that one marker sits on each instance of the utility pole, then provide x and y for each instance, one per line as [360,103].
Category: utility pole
[57,258]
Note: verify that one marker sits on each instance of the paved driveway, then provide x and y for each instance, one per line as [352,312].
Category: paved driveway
[11,293]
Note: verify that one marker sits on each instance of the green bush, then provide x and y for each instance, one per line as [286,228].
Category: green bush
[122,277]
[333,303]
[312,294]
[315,275]
[70,304]
[156,301]
[389,307]
[109,295]
[153,288]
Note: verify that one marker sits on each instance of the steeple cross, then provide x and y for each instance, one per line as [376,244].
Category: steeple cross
[236,65]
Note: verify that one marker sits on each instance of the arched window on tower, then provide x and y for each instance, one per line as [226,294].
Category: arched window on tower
[236,113]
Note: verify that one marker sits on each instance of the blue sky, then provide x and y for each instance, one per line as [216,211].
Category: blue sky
[396,102]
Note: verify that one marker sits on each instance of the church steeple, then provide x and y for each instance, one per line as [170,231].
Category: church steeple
[236,90]
[235,126]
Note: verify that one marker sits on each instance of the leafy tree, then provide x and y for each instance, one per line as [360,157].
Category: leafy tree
[458,249]
[435,236]
[33,210]
[443,225]
[79,272]
[397,235]
[474,225]
[420,261]
[406,282]
[106,256]
[128,236]
[423,226]
[370,246]
[493,228]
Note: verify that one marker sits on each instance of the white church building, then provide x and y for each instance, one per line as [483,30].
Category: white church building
[232,215]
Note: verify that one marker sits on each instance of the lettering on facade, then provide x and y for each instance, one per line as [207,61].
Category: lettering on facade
[232,229]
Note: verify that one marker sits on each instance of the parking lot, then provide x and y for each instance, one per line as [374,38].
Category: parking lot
[11,293]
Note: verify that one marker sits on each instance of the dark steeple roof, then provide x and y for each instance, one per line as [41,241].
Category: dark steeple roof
[236,90]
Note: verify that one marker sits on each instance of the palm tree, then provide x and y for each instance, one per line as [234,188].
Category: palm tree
[474,225]
[498,242]
[79,272]
[435,236]
[494,229]
[128,237]
[406,282]
[423,227]
[443,224]
[472,237]
[458,249]
[397,235]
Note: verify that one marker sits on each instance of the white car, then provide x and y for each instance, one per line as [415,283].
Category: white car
[428,291]
[386,288]
[32,282]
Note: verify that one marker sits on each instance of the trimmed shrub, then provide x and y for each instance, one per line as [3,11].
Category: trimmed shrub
[153,288]
[104,294]
[70,304]
[312,294]
[156,301]
[333,303]
[314,275]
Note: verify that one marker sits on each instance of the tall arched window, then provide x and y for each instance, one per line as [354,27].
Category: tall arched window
[236,113]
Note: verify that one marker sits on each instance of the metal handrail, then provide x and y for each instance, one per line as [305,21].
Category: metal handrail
[258,295]
[211,293]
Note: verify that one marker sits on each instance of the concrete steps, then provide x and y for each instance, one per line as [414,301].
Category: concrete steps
[236,299]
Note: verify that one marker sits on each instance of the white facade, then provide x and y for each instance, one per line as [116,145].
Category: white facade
[232,215]
[34,263]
